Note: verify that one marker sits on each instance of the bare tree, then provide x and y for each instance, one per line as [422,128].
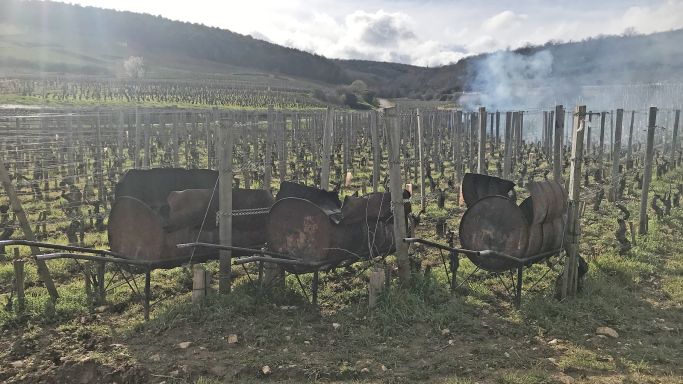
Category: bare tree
[134,67]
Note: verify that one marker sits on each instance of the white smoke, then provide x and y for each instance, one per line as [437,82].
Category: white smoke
[508,80]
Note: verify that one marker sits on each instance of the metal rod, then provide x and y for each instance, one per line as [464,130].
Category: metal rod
[75,256]
[486,253]
[61,247]
[274,260]
[233,248]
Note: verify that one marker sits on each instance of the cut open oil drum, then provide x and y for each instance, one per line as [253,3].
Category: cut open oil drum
[476,186]
[494,223]
[300,229]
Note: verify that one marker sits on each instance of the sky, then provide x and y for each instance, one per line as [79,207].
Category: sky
[425,33]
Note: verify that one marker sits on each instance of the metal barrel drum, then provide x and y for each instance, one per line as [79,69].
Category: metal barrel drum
[494,222]
[137,232]
[300,229]
[319,238]
[150,230]
[544,209]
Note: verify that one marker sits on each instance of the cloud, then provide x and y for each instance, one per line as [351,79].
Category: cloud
[381,28]
[430,32]
[504,20]
[652,18]
[379,35]
[483,43]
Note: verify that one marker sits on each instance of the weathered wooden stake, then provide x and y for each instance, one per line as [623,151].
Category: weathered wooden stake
[507,156]
[267,156]
[376,154]
[481,163]
[420,159]
[282,146]
[198,283]
[100,160]
[18,210]
[327,150]
[225,144]
[394,131]
[138,132]
[457,146]
[647,172]
[19,283]
[376,285]
[674,139]
[616,157]
[601,149]
[148,141]
[557,144]
[629,152]
[570,273]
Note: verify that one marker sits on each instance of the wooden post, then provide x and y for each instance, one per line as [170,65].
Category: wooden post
[225,143]
[119,143]
[423,190]
[601,148]
[71,144]
[346,128]
[674,139]
[647,172]
[491,138]
[394,131]
[611,134]
[497,142]
[198,283]
[544,133]
[176,140]
[557,150]
[616,157]
[507,157]
[100,160]
[267,156]
[520,135]
[138,133]
[629,152]
[457,146]
[481,163]
[473,142]
[282,146]
[18,210]
[19,283]
[376,285]
[376,148]
[570,273]
[148,132]
[327,149]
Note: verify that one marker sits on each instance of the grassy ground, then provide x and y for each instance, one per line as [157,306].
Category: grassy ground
[417,333]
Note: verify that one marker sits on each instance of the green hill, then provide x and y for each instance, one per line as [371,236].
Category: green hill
[56,39]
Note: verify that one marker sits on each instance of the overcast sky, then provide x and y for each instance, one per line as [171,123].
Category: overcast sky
[426,33]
